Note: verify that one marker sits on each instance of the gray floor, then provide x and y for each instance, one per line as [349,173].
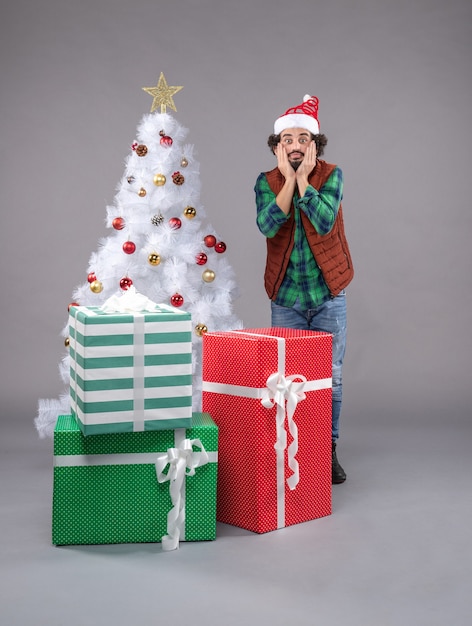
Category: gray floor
[395,552]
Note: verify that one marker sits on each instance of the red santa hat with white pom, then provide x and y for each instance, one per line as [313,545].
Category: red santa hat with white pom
[304,115]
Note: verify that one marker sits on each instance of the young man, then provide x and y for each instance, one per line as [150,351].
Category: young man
[308,260]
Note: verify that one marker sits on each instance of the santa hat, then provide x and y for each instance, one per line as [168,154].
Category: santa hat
[304,115]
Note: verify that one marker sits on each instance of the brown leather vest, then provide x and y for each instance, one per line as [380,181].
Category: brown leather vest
[331,251]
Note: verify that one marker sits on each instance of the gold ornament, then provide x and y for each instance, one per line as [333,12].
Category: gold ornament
[96,286]
[162,95]
[67,342]
[154,259]
[159,180]
[208,276]
[200,330]
[142,192]
[190,212]
[183,162]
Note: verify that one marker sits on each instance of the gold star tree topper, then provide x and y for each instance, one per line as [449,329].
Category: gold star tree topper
[162,95]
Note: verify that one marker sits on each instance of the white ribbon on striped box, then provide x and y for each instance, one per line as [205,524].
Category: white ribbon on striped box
[113,392]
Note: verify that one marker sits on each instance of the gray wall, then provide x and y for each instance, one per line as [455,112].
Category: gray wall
[393,78]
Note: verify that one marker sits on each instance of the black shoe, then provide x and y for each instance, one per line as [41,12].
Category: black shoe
[338,474]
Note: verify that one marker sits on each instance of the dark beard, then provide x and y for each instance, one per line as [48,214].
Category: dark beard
[295,164]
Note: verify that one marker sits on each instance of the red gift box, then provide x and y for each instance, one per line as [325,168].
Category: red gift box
[269,392]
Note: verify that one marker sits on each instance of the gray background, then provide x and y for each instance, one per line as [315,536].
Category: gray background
[393,79]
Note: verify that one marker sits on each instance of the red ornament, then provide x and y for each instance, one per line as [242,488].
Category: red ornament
[175,223]
[134,145]
[220,247]
[201,258]
[91,277]
[72,304]
[177,300]
[125,283]
[118,223]
[129,247]
[210,241]
[166,141]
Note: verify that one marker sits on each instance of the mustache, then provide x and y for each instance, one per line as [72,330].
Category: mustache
[295,152]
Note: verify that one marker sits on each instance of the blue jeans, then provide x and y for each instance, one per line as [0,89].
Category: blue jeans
[329,317]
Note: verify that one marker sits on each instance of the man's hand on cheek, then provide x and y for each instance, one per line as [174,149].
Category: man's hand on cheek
[309,161]
[283,163]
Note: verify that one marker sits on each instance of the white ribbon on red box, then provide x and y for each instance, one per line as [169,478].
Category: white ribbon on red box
[284,392]
[281,391]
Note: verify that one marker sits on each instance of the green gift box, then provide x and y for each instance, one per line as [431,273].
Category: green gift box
[130,371]
[147,486]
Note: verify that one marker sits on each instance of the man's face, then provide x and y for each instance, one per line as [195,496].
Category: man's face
[295,141]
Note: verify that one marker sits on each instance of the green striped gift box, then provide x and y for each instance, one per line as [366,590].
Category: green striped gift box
[106,488]
[130,371]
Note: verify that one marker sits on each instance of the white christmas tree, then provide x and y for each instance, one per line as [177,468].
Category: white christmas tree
[160,243]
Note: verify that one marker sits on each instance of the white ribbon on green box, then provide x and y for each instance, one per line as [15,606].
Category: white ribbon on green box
[285,393]
[130,370]
[182,460]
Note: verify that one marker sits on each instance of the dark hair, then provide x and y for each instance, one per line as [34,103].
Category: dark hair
[320,140]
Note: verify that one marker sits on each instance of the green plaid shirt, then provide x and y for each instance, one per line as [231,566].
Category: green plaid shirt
[303,278]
